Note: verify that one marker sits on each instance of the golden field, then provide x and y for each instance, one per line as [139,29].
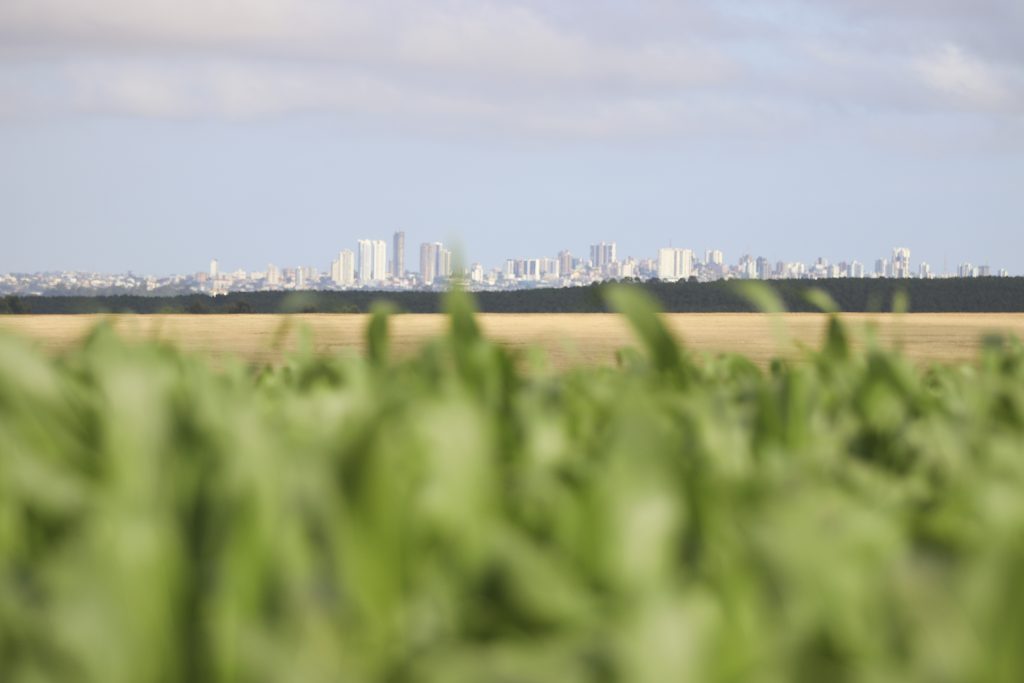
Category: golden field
[568,339]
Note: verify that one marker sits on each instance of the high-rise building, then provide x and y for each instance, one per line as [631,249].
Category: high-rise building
[684,263]
[549,267]
[564,263]
[764,268]
[398,255]
[602,255]
[675,264]
[714,263]
[924,271]
[273,275]
[435,262]
[900,262]
[364,261]
[373,261]
[343,270]
[532,271]
[380,260]
[857,269]
[214,269]
[347,261]
[428,261]
[882,267]
[444,263]
[667,263]
[747,267]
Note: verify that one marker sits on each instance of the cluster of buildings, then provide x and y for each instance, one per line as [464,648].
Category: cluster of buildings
[376,264]
[370,265]
[75,282]
[683,264]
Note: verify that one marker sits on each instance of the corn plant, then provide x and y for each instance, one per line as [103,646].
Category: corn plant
[457,516]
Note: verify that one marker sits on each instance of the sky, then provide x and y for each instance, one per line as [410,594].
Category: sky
[151,136]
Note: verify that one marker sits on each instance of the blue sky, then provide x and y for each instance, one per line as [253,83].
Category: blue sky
[151,136]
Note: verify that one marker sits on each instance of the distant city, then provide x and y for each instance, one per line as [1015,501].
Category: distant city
[373,265]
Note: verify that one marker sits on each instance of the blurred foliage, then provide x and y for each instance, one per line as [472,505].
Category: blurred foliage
[454,518]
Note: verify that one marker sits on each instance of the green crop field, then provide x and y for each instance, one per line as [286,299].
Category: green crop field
[463,512]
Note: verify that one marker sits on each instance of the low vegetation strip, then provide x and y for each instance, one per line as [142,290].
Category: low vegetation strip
[959,295]
[450,517]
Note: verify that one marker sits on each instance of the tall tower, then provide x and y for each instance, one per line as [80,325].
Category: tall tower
[428,262]
[364,261]
[435,262]
[602,255]
[684,261]
[380,261]
[398,258]
[610,253]
[764,269]
[444,262]
[372,264]
[343,271]
[347,260]
[564,263]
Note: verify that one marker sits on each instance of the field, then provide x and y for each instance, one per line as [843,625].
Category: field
[567,339]
[438,512]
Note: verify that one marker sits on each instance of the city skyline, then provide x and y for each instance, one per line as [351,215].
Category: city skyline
[944,264]
[436,265]
[373,266]
[896,264]
[943,260]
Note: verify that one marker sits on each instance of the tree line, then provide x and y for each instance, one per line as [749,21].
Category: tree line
[990,295]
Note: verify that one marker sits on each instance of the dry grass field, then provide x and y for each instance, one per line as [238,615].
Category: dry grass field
[568,339]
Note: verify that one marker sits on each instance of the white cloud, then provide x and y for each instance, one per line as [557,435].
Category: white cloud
[233,90]
[966,79]
[496,39]
[595,68]
[225,89]
[153,24]
[511,41]
[483,61]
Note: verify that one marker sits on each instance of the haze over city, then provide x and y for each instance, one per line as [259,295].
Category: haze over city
[151,136]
